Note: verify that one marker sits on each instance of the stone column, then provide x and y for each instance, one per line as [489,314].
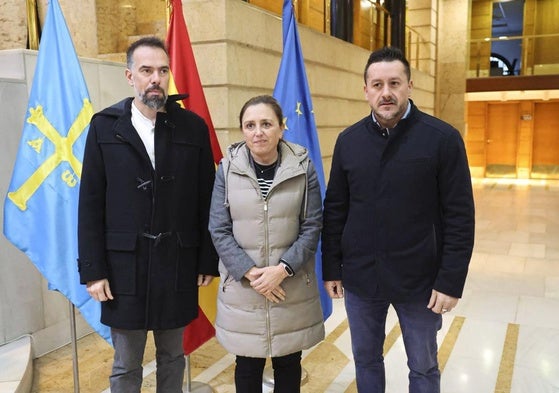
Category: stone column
[452,62]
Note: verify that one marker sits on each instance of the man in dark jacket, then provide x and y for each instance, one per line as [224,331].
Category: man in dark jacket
[144,247]
[398,225]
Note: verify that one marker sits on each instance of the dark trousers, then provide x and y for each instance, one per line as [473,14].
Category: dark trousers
[367,324]
[129,348]
[287,374]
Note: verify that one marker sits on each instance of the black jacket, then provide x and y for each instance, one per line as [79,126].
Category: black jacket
[144,229]
[399,210]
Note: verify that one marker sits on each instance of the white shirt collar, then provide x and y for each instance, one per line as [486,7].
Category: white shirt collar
[146,130]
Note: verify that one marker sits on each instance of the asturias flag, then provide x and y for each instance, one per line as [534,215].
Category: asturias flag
[187,80]
[292,92]
[40,210]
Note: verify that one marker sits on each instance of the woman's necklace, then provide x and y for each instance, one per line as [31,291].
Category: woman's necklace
[264,168]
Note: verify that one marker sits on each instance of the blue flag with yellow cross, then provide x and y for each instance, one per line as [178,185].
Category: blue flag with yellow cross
[293,94]
[40,210]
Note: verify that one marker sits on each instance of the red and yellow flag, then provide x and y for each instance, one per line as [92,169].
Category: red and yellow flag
[186,80]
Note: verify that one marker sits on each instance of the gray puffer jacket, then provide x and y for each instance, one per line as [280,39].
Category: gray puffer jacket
[248,230]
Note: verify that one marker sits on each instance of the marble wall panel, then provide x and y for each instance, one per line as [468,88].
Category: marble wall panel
[452,62]
[20,294]
[13,24]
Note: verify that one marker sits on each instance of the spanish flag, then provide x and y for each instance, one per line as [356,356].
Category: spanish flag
[185,79]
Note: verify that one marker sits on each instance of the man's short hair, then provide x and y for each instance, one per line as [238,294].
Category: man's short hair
[388,53]
[151,41]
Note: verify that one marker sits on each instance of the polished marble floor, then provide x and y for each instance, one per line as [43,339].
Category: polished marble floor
[503,336]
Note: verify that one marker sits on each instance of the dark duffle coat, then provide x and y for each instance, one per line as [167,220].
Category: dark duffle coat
[144,229]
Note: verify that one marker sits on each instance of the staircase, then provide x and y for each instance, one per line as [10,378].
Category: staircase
[16,366]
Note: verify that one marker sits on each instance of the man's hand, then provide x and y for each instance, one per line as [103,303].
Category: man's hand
[441,303]
[99,290]
[204,280]
[334,288]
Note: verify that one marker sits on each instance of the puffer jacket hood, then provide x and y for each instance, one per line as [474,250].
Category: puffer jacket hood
[237,157]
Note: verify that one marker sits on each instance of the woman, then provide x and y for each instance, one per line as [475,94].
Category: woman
[265,221]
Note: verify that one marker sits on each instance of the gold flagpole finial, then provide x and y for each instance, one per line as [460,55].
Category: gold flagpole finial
[168,15]
[32,24]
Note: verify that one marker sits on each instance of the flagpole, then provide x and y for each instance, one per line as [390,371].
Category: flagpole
[190,386]
[74,347]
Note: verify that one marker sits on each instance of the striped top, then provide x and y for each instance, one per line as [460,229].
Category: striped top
[265,176]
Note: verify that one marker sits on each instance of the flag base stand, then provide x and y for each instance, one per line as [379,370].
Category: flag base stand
[197,387]
[190,386]
[268,377]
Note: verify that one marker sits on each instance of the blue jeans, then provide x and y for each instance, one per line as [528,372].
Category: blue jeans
[367,324]
[129,348]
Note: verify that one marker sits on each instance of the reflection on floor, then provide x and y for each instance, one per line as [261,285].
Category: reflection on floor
[550,172]
[545,172]
[500,171]
[503,336]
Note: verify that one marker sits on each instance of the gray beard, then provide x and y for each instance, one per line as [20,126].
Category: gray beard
[154,103]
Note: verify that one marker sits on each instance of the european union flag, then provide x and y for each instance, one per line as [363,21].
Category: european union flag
[40,210]
[292,92]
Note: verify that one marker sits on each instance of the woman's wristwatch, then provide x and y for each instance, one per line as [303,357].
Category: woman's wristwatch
[287,268]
